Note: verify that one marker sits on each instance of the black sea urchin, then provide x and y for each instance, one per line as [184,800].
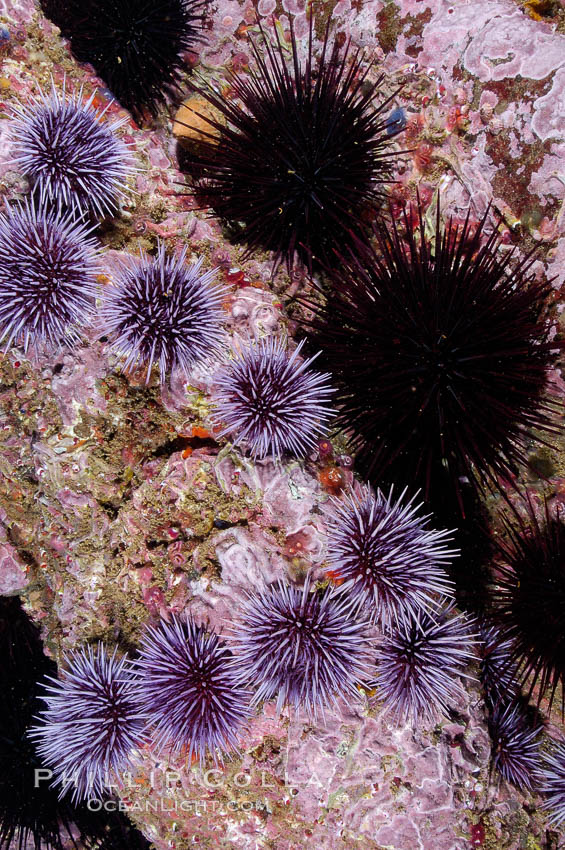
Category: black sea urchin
[70,153]
[187,690]
[136,46]
[303,154]
[91,723]
[272,400]
[442,351]
[386,554]
[48,272]
[419,664]
[304,648]
[530,597]
[161,310]
[515,744]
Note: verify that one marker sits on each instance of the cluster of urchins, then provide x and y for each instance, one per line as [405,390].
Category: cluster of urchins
[387,631]
[191,691]
[439,348]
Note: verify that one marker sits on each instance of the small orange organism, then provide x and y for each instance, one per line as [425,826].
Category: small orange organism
[332,479]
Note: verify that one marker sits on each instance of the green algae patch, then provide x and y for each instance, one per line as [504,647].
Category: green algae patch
[390,27]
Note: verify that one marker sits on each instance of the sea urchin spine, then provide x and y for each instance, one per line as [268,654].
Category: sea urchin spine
[161,310]
[71,154]
[298,155]
[91,723]
[499,673]
[303,647]
[272,400]
[530,597]
[515,744]
[48,276]
[136,46]
[187,690]
[387,556]
[441,352]
[419,663]
[551,780]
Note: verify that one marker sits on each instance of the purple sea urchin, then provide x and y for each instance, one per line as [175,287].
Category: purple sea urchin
[418,665]
[136,46]
[301,647]
[48,272]
[530,598]
[515,744]
[388,557]
[71,156]
[160,310]
[91,722]
[441,351]
[272,400]
[31,814]
[304,153]
[551,779]
[187,690]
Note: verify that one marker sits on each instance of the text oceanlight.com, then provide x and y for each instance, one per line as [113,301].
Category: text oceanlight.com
[167,804]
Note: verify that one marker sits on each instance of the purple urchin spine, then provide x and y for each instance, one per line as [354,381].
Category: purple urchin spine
[70,155]
[388,558]
[301,647]
[48,276]
[419,664]
[551,781]
[515,744]
[161,310]
[187,690]
[91,723]
[272,400]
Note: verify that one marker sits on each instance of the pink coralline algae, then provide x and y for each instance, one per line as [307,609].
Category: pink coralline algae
[508,43]
[549,110]
[247,557]
[13,576]
[403,770]
[252,311]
